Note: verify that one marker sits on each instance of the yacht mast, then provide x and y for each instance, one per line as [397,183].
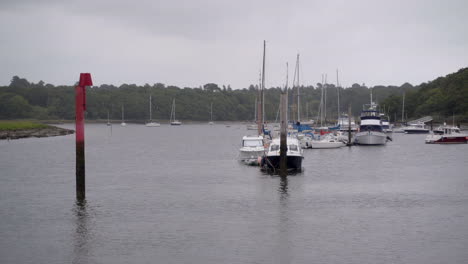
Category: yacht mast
[320,110]
[298,91]
[150,108]
[261,106]
[403,109]
[325,99]
[173,104]
[211,111]
[338,93]
[263,83]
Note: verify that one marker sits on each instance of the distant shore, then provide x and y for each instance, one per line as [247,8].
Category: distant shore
[27,129]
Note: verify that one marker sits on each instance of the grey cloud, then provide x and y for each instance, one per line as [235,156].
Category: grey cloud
[376,42]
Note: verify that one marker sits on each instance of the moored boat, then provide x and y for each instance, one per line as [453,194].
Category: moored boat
[327,142]
[344,123]
[386,126]
[370,130]
[294,157]
[447,135]
[151,123]
[252,149]
[173,120]
[416,128]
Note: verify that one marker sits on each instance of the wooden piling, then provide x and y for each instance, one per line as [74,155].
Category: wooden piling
[349,126]
[283,133]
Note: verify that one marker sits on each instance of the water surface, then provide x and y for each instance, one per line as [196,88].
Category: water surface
[178,195]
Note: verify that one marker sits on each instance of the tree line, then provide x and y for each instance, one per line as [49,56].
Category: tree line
[443,97]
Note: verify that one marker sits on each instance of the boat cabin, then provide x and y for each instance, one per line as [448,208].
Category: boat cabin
[252,142]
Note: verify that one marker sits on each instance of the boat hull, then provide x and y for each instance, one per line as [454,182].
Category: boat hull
[273,162]
[435,139]
[370,138]
[250,157]
[416,131]
[326,145]
[152,124]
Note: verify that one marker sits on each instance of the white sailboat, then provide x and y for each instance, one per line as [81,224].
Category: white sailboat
[123,120]
[253,146]
[327,142]
[108,120]
[173,120]
[211,115]
[151,123]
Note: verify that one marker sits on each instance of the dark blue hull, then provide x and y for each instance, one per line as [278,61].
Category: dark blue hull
[272,162]
[409,131]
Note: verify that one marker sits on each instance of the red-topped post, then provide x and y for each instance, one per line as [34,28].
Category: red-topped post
[80,107]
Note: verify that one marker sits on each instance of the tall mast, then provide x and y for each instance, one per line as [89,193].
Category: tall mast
[263,83]
[261,107]
[403,109]
[338,92]
[298,91]
[150,107]
[325,100]
[320,110]
[122,113]
[211,110]
[255,111]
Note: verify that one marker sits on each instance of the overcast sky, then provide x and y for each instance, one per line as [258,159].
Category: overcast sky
[193,42]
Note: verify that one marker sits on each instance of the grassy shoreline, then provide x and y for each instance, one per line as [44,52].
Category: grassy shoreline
[20,125]
[15,129]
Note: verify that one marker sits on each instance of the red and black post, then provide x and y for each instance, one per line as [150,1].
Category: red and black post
[80,107]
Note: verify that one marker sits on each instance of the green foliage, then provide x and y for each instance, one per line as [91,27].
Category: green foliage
[22,99]
[442,98]
[18,125]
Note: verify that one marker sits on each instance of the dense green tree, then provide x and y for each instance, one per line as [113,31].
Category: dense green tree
[442,97]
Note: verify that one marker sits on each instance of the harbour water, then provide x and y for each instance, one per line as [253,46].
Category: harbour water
[177,195]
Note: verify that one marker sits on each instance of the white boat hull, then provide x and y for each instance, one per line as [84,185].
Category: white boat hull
[152,124]
[250,157]
[326,144]
[370,138]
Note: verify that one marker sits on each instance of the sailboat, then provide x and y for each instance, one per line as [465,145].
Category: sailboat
[108,120]
[294,153]
[211,114]
[151,123]
[255,125]
[123,120]
[253,146]
[173,120]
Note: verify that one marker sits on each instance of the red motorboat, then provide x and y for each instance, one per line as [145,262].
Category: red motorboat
[447,135]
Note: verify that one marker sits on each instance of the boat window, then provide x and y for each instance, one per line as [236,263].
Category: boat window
[253,143]
[370,128]
[293,147]
[274,147]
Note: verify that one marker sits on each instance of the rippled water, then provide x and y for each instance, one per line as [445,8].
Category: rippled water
[178,195]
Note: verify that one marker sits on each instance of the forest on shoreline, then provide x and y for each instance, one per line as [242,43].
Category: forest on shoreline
[442,98]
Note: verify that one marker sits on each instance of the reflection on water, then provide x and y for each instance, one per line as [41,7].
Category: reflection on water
[82,236]
[283,188]
[286,224]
